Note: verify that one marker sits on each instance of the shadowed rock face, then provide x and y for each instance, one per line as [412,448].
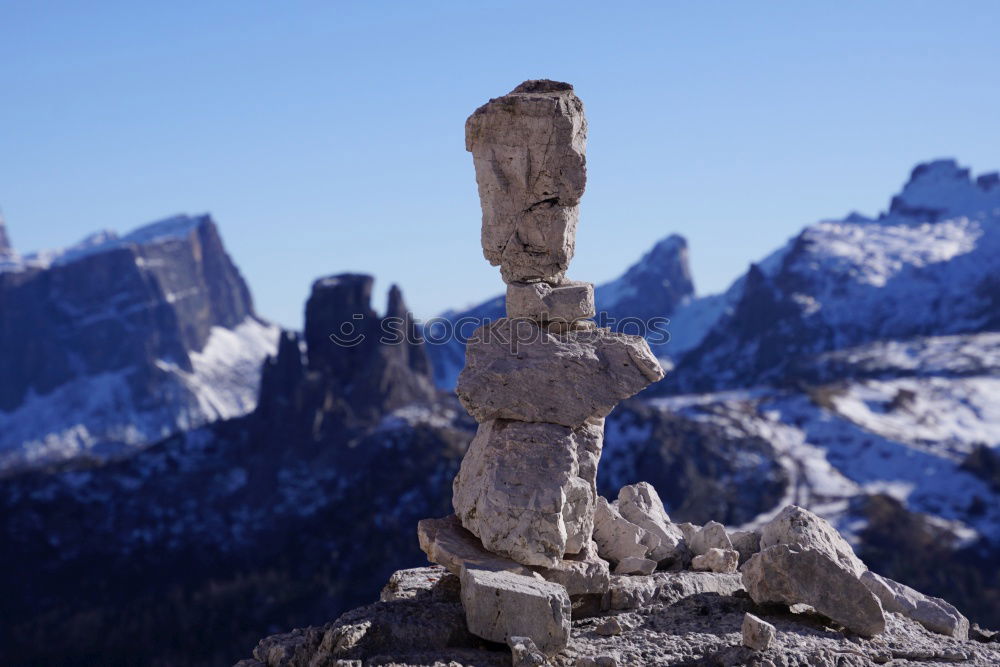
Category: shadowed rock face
[5,245]
[123,308]
[358,363]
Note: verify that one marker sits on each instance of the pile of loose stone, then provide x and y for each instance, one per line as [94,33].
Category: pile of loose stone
[531,541]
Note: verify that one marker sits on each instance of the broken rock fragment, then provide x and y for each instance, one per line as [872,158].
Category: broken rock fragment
[527,490]
[723,561]
[514,369]
[757,634]
[807,576]
[618,538]
[747,542]
[501,605]
[711,536]
[933,613]
[528,148]
[801,529]
[640,504]
[635,565]
[543,302]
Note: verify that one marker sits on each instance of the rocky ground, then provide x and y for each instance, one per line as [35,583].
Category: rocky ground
[693,618]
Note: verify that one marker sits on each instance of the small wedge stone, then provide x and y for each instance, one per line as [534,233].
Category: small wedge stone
[634,565]
[757,634]
[542,302]
[723,561]
[640,504]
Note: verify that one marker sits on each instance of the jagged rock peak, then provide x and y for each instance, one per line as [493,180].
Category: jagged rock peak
[654,286]
[942,188]
[5,246]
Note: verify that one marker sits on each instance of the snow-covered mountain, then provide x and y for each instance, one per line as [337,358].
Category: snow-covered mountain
[928,266]
[117,342]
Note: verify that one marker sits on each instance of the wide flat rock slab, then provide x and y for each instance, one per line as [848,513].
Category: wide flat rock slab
[516,370]
[528,148]
[543,302]
[527,490]
[450,545]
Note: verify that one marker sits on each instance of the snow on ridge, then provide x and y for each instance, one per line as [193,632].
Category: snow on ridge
[862,443]
[173,228]
[98,416]
[945,187]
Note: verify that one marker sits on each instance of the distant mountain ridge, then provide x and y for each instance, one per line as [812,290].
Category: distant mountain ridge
[120,341]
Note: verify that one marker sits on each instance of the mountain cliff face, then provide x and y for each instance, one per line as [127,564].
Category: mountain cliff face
[118,342]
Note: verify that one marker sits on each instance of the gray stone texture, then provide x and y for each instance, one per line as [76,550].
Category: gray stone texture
[527,490]
[516,370]
[528,148]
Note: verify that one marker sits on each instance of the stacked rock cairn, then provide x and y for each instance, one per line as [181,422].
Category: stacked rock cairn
[539,382]
[531,541]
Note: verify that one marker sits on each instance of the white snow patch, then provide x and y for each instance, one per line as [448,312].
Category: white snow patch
[98,416]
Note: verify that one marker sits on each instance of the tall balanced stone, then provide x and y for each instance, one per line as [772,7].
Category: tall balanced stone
[528,148]
[540,381]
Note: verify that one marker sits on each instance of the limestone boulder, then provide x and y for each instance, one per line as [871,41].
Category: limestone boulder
[712,535]
[933,613]
[640,504]
[724,561]
[527,490]
[789,575]
[543,302]
[528,148]
[515,369]
[618,538]
[757,634]
[799,528]
[502,605]
[747,542]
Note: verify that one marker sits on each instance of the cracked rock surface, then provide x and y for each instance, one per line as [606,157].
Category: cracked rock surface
[686,622]
[528,148]
[527,490]
[516,370]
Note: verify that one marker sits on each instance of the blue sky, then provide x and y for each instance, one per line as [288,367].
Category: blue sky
[328,136]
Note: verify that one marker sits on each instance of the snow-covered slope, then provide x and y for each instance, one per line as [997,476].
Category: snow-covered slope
[117,342]
[929,266]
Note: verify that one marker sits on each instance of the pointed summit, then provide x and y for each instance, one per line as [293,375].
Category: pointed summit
[5,247]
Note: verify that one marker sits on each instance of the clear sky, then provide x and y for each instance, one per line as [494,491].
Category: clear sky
[328,136]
